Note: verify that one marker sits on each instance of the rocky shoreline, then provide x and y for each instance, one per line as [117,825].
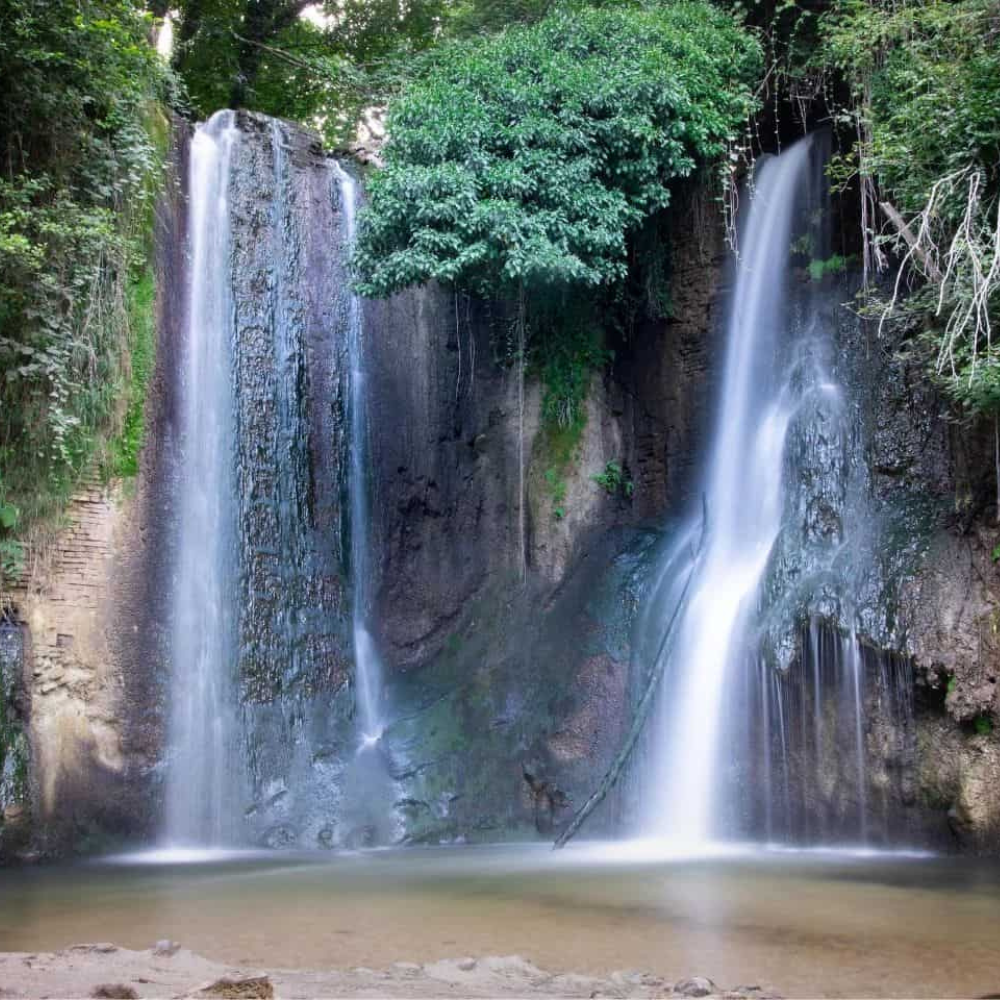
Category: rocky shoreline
[167,970]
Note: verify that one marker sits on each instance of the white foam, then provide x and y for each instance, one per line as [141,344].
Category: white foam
[186,856]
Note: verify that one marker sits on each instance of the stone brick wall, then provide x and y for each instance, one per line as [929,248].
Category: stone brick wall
[74,682]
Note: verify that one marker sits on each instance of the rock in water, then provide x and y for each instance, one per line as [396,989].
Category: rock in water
[114,991]
[696,986]
[251,988]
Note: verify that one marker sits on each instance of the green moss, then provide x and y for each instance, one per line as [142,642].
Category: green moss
[559,449]
[123,450]
[820,269]
[561,443]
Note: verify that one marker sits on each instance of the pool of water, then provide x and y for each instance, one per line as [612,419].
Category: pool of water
[807,923]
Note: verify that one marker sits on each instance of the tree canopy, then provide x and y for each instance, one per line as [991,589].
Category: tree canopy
[527,158]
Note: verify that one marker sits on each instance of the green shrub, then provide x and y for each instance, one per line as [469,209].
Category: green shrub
[525,160]
[613,480]
[610,480]
[82,134]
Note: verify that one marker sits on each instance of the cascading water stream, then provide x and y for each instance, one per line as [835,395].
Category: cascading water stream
[767,684]
[743,503]
[199,782]
[368,668]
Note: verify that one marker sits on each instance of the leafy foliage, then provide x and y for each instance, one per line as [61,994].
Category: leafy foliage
[926,86]
[526,160]
[613,480]
[820,268]
[323,70]
[81,164]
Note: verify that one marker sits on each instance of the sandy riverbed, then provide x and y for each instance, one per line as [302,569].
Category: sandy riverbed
[82,970]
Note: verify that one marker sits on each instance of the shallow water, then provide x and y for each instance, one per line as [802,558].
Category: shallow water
[809,924]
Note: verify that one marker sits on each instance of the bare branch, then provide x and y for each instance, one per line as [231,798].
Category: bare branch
[911,241]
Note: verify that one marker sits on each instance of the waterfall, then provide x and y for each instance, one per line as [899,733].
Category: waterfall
[743,504]
[203,648]
[368,669]
[761,723]
[271,482]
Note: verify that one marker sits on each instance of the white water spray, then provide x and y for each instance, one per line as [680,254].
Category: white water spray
[199,782]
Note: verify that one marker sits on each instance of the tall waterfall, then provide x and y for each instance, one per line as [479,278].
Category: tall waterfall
[203,647]
[743,495]
[271,499]
[368,669]
[742,741]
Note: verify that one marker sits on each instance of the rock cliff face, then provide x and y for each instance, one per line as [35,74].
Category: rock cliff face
[504,624]
[926,594]
[508,629]
[83,651]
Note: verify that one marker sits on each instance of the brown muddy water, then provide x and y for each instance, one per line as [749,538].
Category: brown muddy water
[806,923]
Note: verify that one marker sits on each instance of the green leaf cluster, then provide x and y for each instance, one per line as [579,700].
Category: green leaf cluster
[525,160]
[925,80]
[83,141]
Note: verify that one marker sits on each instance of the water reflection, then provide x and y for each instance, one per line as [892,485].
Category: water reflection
[809,923]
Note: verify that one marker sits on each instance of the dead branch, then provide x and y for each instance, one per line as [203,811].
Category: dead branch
[911,241]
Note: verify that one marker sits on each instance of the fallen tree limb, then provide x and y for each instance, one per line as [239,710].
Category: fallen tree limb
[641,710]
[913,242]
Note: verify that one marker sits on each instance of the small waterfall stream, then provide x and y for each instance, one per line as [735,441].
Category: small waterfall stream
[272,474]
[203,649]
[368,669]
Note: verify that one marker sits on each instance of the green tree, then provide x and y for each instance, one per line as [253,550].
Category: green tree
[525,161]
[264,55]
[80,164]
[520,167]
